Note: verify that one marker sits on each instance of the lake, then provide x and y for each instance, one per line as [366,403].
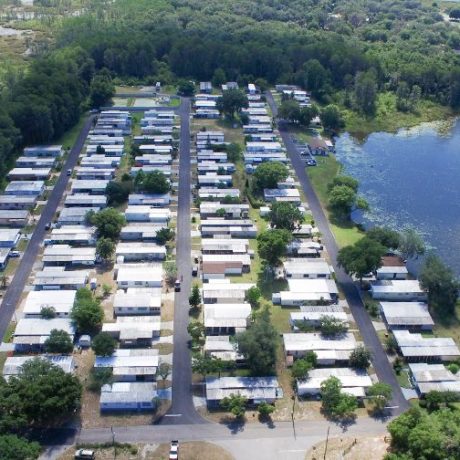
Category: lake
[411,178]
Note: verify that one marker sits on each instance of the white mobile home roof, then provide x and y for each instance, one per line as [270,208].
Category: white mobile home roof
[140,273]
[434,377]
[255,388]
[128,395]
[406,314]
[73,233]
[413,345]
[61,301]
[43,327]
[22,172]
[353,381]
[51,277]
[138,297]
[133,327]
[140,249]
[307,266]
[316,341]
[226,315]
[318,286]
[9,234]
[13,364]
[396,286]
[84,199]
[136,357]
[96,185]
[64,253]
[140,230]
[225,245]
[32,187]
[75,215]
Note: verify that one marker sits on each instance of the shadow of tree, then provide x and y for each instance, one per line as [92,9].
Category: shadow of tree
[235,425]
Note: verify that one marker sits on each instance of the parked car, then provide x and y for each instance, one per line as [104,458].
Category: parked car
[15,254]
[48,226]
[84,454]
[195,270]
[177,286]
[69,172]
[174,450]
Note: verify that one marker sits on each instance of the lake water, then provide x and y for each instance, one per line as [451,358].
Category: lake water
[411,178]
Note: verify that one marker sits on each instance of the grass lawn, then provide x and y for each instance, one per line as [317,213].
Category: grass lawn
[9,332]
[403,379]
[174,102]
[446,326]
[194,450]
[345,231]
[69,137]
[389,119]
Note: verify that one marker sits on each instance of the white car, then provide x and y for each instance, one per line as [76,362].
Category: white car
[174,450]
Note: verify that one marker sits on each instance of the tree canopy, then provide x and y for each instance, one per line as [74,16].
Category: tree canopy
[268,174]
[58,342]
[41,395]
[108,222]
[87,312]
[334,402]
[13,447]
[103,344]
[271,245]
[152,182]
[441,283]
[258,344]
[385,236]
[411,243]
[364,257]
[286,216]
[232,102]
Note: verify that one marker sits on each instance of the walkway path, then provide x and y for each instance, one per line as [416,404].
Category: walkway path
[380,361]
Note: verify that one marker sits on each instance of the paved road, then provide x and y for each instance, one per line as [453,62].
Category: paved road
[16,287]
[379,359]
[248,441]
[182,410]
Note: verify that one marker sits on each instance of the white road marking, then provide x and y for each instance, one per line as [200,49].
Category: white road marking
[173,415]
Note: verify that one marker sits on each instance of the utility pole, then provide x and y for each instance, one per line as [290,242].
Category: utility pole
[327,440]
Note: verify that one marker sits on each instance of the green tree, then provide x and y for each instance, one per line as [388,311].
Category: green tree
[379,395]
[195,297]
[265,409]
[100,376]
[411,244]
[331,118]
[164,370]
[108,223]
[268,174]
[48,312]
[342,199]
[87,312]
[441,284]
[344,180]
[271,245]
[103,344]
[235,404]
[219,77]
[289,110]
[232,102]
[152,182]
[285,216]
[361,258]
[385,236]
[14,448]
[196,330]
[117,192]
[170,269]
[360,357]
[366,93]
[59,341]
[186,88]
[253,296]
[105,248]
[334,402]
[102,90]
[41,395]
[258,345]
[164,235]
[203,364]
[331,326]
[300,369]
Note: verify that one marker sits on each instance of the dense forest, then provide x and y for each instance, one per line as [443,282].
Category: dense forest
[334,49]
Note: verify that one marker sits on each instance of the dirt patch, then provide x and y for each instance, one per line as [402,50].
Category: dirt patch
[164,348]
[167,309]
[350,449]
[194,451]
[125,452]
